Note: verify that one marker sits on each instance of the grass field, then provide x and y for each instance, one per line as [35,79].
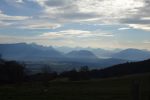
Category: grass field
[98,89]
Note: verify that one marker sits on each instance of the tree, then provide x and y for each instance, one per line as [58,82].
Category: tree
[46,69]
[0,56]
[11,72]
[46,75]
[73,75]
[84,69]
[15,71]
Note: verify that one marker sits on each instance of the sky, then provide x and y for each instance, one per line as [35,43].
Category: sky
[76,23]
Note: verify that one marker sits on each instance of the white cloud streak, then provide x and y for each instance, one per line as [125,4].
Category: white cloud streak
[141,26]
[4,17]
[75,34]
[124,28]
[40,26]
[4,24]
[19,1]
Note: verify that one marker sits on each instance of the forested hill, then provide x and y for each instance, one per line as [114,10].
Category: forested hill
[113,71]
[126,69]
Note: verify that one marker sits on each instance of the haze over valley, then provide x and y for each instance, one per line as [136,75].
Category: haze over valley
[36,56]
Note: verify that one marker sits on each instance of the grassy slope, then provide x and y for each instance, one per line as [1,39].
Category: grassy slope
[105,89]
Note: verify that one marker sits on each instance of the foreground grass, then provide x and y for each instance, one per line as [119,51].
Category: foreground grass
[104,89]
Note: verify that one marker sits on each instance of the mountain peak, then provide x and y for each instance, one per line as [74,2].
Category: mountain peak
[80,54]
[132,54]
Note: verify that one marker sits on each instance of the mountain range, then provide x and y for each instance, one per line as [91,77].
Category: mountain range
[75,58]
[99,52]
[23,51]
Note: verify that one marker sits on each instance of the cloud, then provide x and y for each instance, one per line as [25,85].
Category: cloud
[4,17]
[44,25]
[67,15]
[75,34]
[97,11]
[65,34]
[84,10]
[25,22]
[141,26]
[142,23]
[37,24]
[124,28]
[66,38]
[145,18]
[146,42]
[19,1]
[53,3]
[15,3]
[5,24]
[87,11]
[26,39]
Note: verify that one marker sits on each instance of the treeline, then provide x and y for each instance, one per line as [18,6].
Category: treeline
[114,71]
[14,72]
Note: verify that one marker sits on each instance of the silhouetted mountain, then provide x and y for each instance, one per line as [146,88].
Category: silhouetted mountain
[103,53]
[91,57]
[87,58]
[81,58]
[99,52]
[81,54]
[23,51]
[132,54]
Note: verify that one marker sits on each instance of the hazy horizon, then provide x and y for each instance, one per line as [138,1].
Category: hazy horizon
[74,47]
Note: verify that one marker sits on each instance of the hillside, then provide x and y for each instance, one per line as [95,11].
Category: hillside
[109,72]
[122,70]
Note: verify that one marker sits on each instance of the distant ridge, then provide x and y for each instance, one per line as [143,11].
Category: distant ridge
[133,55]
[81,54]
[23,51]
